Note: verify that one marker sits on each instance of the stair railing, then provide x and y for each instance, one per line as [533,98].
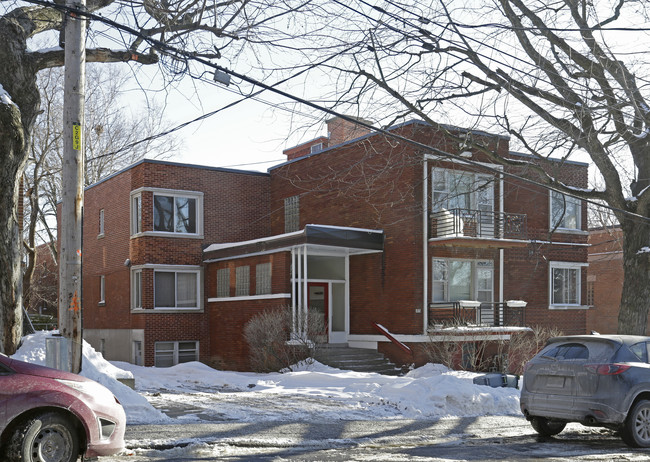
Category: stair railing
[382,330]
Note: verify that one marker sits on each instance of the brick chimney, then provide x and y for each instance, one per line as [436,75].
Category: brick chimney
[341,130]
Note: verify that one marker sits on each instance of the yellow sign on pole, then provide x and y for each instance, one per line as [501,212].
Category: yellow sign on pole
[76,137]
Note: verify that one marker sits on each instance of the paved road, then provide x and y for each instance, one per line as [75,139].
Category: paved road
[457,439]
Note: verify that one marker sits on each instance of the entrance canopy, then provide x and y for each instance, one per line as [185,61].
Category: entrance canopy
[336,240]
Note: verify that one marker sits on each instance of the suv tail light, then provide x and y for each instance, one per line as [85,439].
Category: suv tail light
[607,369]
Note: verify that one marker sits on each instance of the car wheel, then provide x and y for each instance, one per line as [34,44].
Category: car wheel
[48,437]
[636,431]
[546,427]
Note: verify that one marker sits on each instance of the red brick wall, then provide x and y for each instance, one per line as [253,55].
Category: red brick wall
[235,207]
[227,319]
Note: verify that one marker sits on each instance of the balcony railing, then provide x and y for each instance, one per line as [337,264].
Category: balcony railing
[506,314]
[478,223]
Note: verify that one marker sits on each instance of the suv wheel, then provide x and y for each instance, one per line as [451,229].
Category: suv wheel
[546,427]
[48,437]
[636,430]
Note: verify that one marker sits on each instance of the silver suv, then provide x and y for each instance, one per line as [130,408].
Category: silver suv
[596,380]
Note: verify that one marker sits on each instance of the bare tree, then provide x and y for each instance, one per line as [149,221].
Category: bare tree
[563,78]
[172,33]
[116,138]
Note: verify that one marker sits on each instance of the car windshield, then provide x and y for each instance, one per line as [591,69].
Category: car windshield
[594,351]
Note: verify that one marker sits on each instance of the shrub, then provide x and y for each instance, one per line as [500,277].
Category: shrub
[272,341]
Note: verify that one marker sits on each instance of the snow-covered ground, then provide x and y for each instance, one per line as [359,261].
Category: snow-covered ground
[194,391]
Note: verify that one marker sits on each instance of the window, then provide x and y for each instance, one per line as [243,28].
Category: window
[101,222]
[462,190]
[168,354]
[568,351]
[242,281]
[102,290]
[291,214]
[136,214]
[455,280]
[263,279]
[223,282]
[566,212]
[174,214]
[136,289]
[176,289]
[565,283]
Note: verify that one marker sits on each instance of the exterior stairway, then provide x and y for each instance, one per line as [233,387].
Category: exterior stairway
[343,357]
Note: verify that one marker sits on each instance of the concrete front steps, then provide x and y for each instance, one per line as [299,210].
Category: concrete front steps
[341,356]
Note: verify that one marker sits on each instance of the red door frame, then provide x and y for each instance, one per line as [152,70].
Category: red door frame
[326,301]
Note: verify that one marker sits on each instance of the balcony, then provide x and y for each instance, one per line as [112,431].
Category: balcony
[462,226]
[477,314]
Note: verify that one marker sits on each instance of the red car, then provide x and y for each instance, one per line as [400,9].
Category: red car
[55,416]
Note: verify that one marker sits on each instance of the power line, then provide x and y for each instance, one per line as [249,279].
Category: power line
[273,88]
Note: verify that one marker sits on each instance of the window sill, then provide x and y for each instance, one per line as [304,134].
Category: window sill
[568,307]
[579,232]
[248,297]
[166,310]
[164,234]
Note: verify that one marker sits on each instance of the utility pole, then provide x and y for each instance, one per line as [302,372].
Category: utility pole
[73,186]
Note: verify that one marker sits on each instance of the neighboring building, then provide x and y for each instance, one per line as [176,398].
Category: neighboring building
[44,291]
[605,280]
[364,230]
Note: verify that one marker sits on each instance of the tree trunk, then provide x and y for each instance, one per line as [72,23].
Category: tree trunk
[12,161]
[635,300]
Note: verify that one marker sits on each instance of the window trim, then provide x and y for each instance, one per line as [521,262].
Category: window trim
[135,213]
[566,265]
[197,195]
[474,286]
[175,352]
[101,223]
[102,290]
[136,297]
[579,206]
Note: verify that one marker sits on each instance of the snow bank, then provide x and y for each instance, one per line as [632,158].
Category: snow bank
[95,367]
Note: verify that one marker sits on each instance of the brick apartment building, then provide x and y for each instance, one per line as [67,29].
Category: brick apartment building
[605,279]
[356,227]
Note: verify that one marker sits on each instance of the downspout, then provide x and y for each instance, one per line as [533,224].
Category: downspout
[293,290]
[425,242]
[306,292]
[501,251]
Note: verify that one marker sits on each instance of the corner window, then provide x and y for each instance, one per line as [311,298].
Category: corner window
[175,214]
[136,214]
[176,289]
[169,354]
[292,214]
[566,212]
[461,190]
[136,289]
[565,284]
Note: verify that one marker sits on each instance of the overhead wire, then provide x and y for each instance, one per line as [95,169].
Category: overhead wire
[156,44]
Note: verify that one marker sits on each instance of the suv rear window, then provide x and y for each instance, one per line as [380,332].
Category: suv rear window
[568,351]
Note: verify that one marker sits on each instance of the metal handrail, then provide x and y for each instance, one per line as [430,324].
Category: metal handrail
[478,223]
[486,314]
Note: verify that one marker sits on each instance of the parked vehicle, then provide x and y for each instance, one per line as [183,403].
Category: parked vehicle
[596,380]
[48,415]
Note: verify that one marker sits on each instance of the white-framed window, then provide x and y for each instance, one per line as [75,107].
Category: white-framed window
[136,214]
[457,189]
[102,290]
[101,222]
[136,289]
[223,282]
[566,212]
[454,280]
[291,214]
[177,289]
[242,281]
[167,354]
[176,212]
[565,284]
[263,279]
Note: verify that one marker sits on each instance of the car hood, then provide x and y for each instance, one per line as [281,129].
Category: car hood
[41,371]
